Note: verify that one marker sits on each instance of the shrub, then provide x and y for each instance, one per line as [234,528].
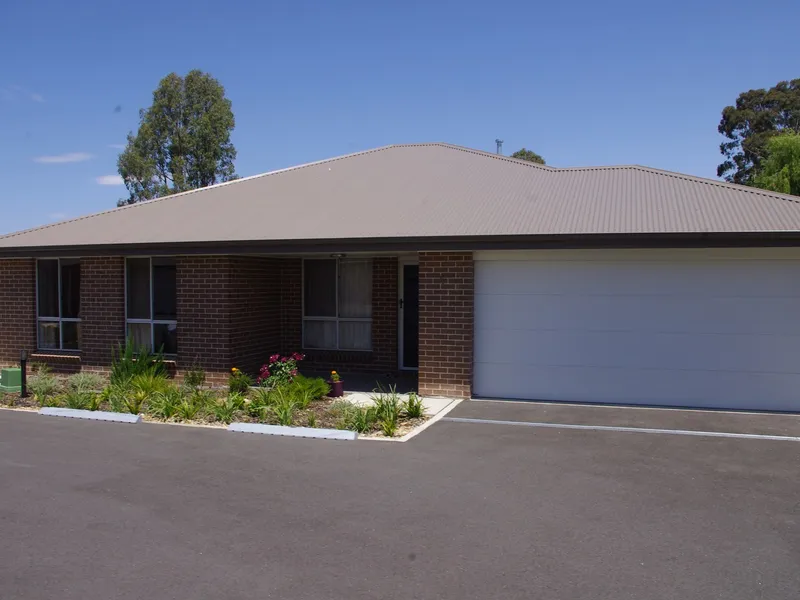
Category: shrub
[77,399]
[141,389]
[43,386]
[224,409]
[311,388]
[387,403]
[95,401]
[194,378]
[312,419]
[239,382]
[84,382]
[191,406]
[354,417]
[284,405]
[413,407]
[388,427]
[164,404]
[280,369]
[130,361]
[115,394]
[260,402]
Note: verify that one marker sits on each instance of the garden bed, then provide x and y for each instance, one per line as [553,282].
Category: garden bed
[138,385]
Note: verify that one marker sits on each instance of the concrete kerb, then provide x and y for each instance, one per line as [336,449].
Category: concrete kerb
[306,432]
[90,415]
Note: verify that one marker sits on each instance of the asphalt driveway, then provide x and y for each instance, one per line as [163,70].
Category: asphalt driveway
[464,510]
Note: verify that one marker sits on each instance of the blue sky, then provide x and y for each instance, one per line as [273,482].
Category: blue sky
[582,83]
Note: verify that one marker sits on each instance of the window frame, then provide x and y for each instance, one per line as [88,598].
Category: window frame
[151,321]
[337,319]
[59,319]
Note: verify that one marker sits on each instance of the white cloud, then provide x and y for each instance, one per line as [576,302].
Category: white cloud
[110,180]
[57,216]
[117,146]
[69,157]
[13,92]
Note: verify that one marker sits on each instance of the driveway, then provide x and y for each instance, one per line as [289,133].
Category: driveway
[464,510]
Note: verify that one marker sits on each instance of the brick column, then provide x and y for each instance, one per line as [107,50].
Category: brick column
[102,310]
[204,324]
[384,312]
[446,307]
[17,308]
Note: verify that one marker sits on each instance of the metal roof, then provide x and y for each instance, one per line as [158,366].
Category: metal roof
[427,191]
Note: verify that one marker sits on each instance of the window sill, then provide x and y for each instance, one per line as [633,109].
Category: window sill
[51,355]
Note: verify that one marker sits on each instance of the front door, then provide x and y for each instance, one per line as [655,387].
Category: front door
[409,314]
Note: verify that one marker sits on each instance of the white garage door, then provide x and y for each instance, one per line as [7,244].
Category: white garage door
[710,328]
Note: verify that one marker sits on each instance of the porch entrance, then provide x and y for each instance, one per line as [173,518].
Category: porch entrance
[409,316]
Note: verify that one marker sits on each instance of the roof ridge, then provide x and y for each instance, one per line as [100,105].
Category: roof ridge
[208,187]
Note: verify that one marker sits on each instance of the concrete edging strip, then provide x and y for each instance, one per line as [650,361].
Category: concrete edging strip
[748,436]
[90,415]
[306,432]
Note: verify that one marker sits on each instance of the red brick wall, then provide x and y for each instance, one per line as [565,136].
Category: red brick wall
[255,311]
[204,328]
[382,358]
[102,310]
[446,303]
[17,308]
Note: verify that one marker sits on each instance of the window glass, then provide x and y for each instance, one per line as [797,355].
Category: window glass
[70,335]
[139,333]
[165,304]
[138,288]
[319,334]
[319,279]
[355,335]
[47,289]
[355,288]
[70,289]
[165,338]
[48,335]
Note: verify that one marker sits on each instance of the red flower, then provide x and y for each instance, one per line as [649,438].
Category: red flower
[294,372]
[274,358]
[297,356]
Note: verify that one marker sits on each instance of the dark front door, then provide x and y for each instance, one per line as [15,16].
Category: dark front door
[410,308]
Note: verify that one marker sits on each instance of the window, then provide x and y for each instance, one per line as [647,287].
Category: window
[151,303]
[58,303]
[337,304]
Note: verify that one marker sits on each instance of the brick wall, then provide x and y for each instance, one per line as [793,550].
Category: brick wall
[102,310]
[255,311]
[383,356]
[17,308]
[204,328]
[446,303]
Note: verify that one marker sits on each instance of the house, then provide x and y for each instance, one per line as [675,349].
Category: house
[493,277]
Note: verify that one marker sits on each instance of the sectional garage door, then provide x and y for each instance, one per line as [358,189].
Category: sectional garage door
[706,328]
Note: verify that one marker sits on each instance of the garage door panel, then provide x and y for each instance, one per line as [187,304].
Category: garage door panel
[720,333]
[638,350]
[715,278]
[763,391]
[657,314]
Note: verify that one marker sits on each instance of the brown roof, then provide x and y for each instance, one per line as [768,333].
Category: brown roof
[428,191]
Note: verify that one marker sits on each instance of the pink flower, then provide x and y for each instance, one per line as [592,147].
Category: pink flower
[284,359]
[274,358]
[297,356]
[294,372]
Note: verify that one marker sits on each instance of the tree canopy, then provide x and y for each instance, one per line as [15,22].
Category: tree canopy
[780,169]
[183,141]
[757,116]
[528,155]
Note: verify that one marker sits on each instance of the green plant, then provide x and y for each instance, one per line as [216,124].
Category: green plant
[354,417]
[335,377]
[78,400]
[142,388]
[280,369]
[312,419]
[193,405]
[284,405]
[413,408]
[388,404]
[260,401]
[164,404]
[42,386]
[115,394]
[388,427]
[224,409]
[84,382]
[310,389]
[130,361]
[95,401]
[239,382]
[194,378]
